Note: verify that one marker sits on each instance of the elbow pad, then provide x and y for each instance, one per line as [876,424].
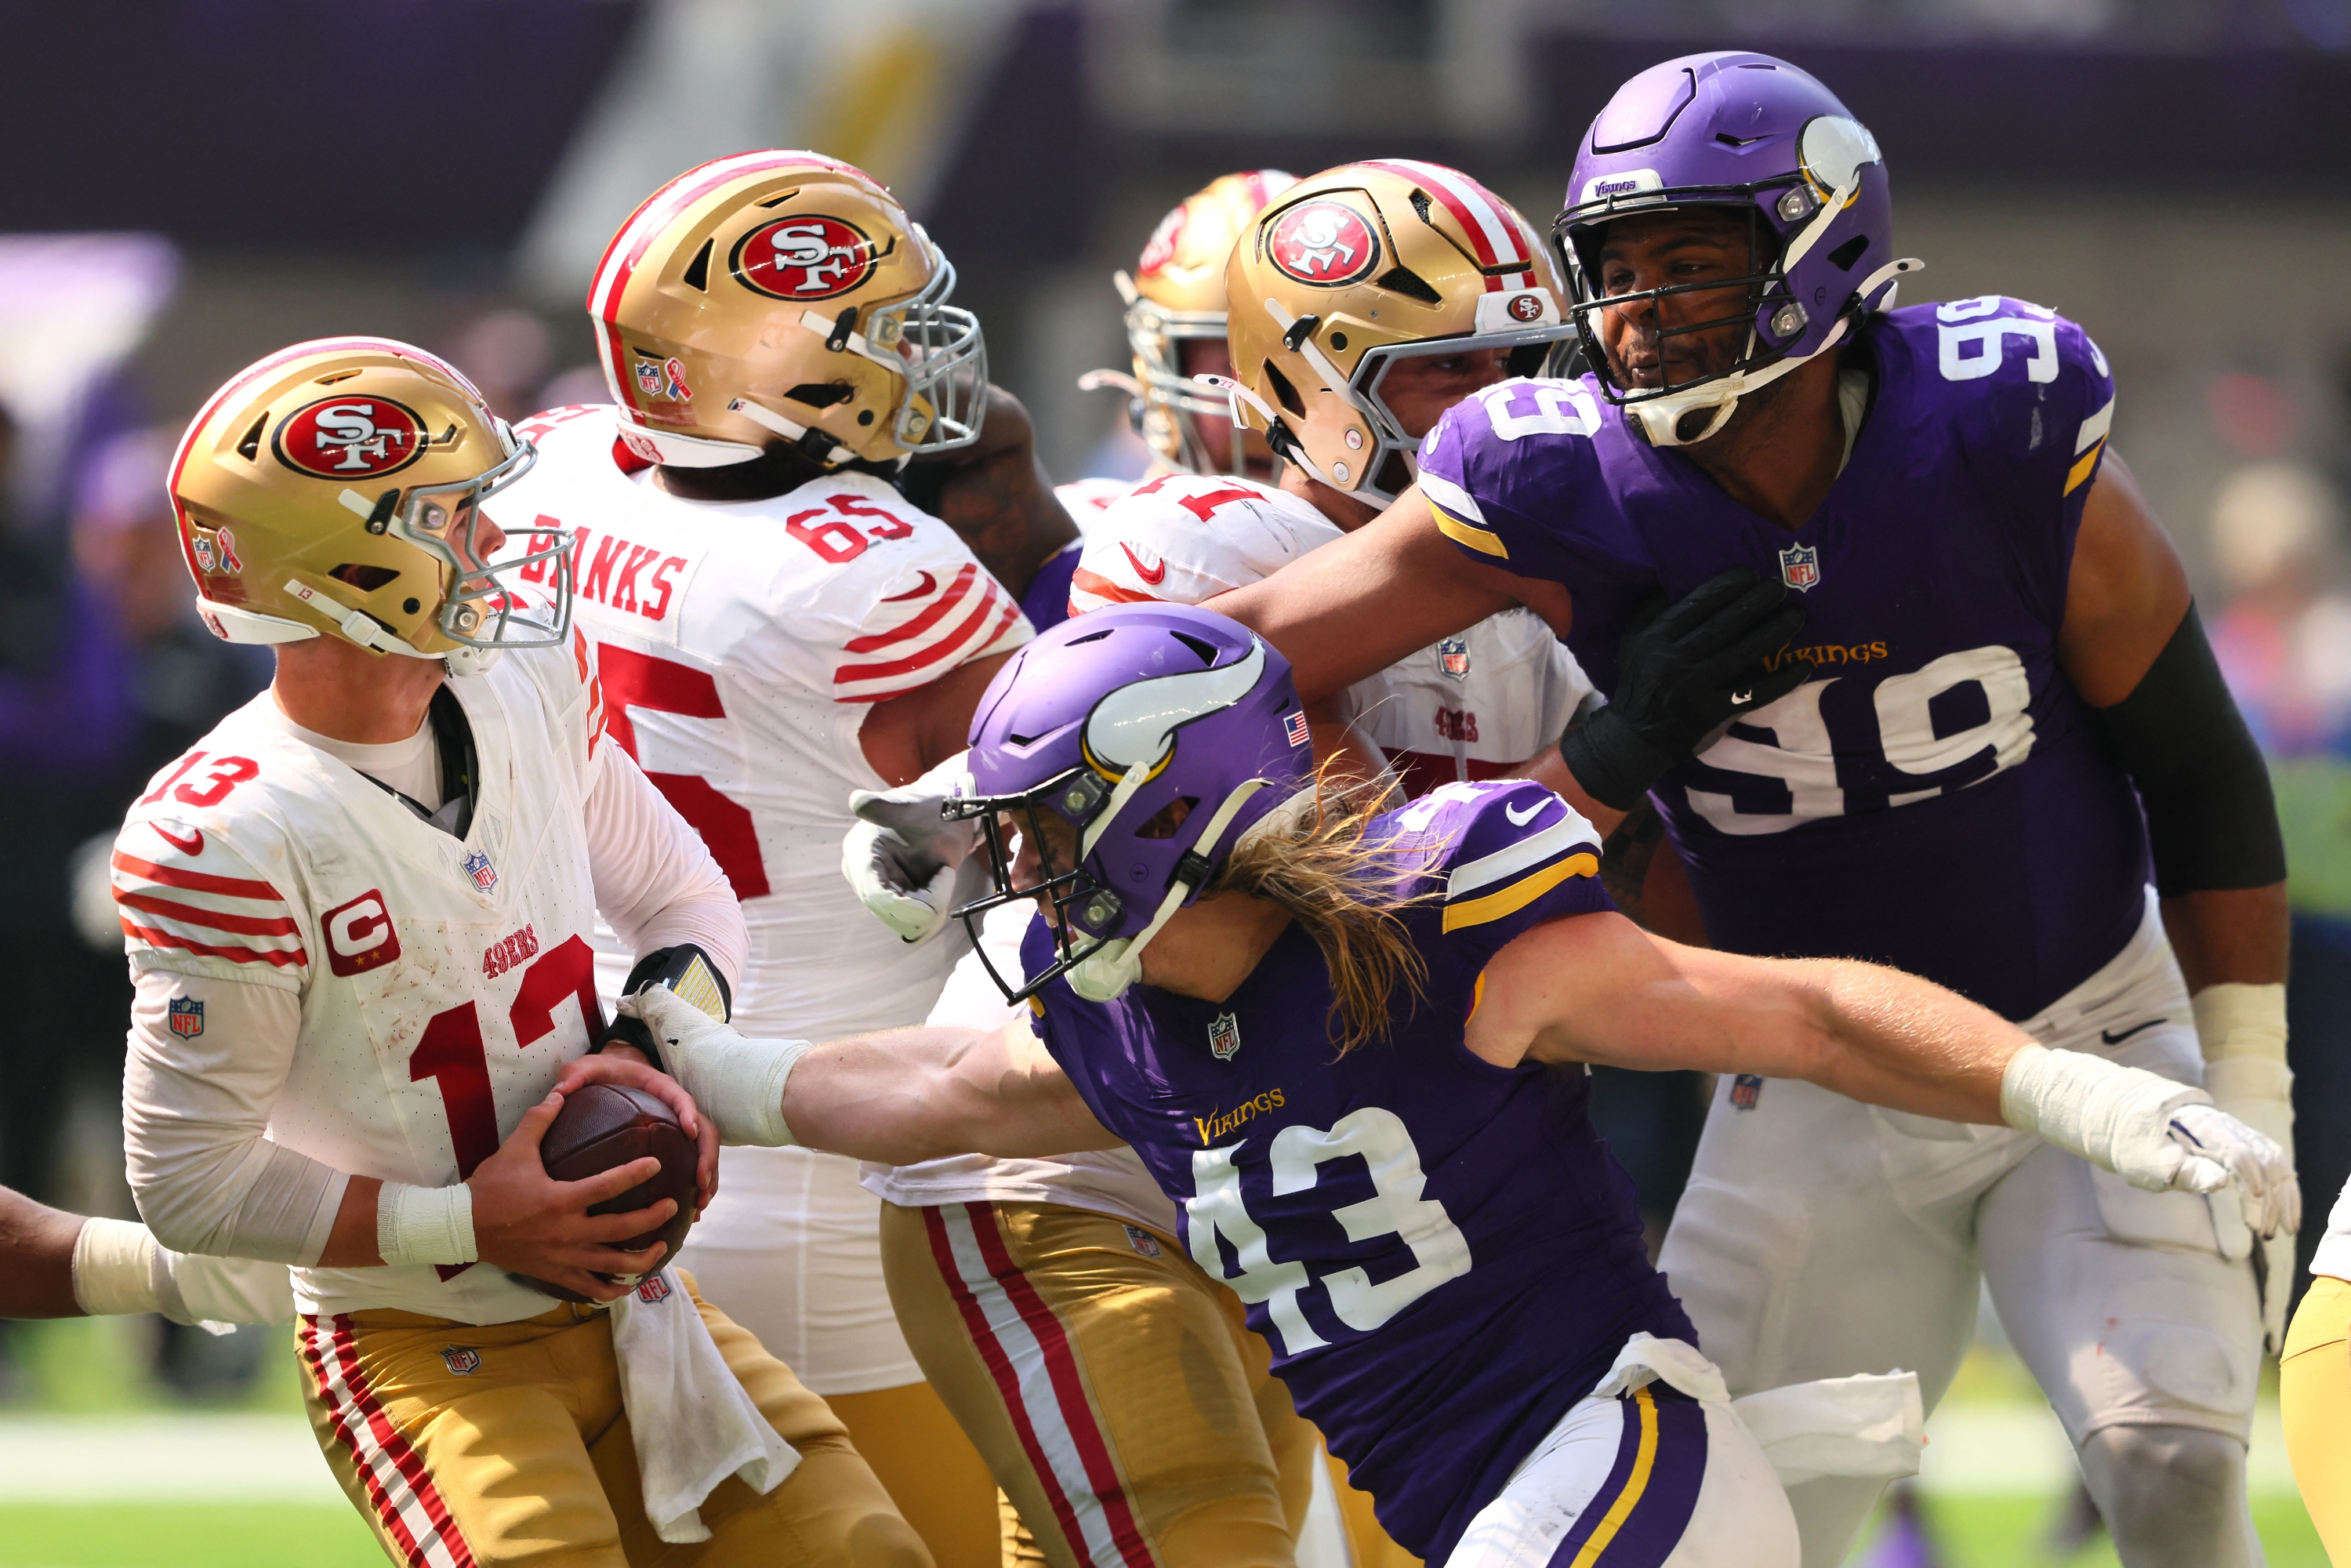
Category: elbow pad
[2211,821]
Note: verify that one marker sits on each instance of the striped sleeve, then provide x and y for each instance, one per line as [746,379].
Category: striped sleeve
[1520,856]
[950,616]
[190,903]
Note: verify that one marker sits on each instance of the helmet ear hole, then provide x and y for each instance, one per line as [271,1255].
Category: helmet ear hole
[249,448]
[365,578]
[1170,818]
[697,271]
[1845,254]
[1284,390]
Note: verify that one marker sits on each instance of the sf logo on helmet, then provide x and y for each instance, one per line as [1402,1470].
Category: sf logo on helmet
[806,258]
[1325,242]
[340,437]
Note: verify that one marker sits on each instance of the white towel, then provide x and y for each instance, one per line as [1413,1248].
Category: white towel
[1873,1426]
[692,1422]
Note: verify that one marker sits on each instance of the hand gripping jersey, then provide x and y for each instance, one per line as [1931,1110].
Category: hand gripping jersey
[1932,796]
[443,982]
[1473,706]
[1441,1254]
[742,645]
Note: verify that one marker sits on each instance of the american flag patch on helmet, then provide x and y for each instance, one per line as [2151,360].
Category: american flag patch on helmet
[1294,726]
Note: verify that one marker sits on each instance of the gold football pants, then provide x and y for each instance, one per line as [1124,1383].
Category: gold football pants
[1113,1388]
[497,1446]
[2314,1386]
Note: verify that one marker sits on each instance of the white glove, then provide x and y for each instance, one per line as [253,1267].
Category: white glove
[2152,1132]
[902,857]
[739,1083]
[2242,1030]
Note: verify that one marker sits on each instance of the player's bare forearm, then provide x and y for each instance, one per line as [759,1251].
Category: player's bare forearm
[905,1095]
[38,1242]
[351,1243]
[996,495]
[1358,604]
[908,736]
[1548,767]
[1596,989]
[2237,935]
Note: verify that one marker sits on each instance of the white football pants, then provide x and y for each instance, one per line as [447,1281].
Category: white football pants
[1821,1238]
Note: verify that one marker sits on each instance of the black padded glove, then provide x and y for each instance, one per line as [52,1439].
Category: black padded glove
[1679,676]
[685,969]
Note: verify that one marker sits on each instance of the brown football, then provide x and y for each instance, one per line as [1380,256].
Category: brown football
[602,1125]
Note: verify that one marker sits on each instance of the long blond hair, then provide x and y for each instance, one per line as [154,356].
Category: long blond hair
[1318,858]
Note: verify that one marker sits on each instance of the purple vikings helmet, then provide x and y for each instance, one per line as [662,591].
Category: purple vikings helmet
[1753,135]
[1107,721]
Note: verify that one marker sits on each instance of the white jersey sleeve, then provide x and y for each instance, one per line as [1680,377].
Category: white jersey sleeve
[1186,537]
[1086,499]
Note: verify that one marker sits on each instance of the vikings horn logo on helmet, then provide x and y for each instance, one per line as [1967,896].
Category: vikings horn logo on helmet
[811,257]
[337,438]
[1325,243]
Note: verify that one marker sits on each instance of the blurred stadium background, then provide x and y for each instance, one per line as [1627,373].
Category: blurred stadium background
[193,182]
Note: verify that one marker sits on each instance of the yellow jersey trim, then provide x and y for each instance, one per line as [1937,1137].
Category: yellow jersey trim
[1485,540]
[2081,470]
[1644,1459]
[1519,894]
[1037,1005]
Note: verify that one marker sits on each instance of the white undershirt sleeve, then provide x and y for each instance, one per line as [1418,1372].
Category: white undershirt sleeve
[657,882]
[195,1112]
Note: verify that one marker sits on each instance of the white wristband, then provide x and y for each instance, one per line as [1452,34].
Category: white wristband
[114,1267]
[424,1224]
[2235,1020]
[739,1085]
[2111,1115]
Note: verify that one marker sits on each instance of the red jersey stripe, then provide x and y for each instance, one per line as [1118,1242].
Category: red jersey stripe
[155,938]
[933,613]
[194,914]
[1101,587]
[849,674]
[194,881]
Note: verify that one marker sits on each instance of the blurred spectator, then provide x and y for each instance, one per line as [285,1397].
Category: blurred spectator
[507,352]
[2284,640]
[582,383]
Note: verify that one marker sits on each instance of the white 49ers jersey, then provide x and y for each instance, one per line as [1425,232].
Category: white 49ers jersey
[1473,706]
[742,645]
[443,982]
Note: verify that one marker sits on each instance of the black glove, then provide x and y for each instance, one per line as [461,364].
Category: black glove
[1680,676]
[685,969]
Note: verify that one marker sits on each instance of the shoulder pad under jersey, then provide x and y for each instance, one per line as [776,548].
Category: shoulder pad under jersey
[1185,537]
[1511,477]
[1501,856]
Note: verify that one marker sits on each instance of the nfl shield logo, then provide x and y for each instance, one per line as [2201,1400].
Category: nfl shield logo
[653,1290]
[486,875]
[1143,1241]
[1744,1090]
[649,378]
[463,1360]
[1453,656]
[1225,1035]
[1800,566]
[187,1017]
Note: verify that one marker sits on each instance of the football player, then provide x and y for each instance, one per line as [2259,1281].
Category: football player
[2001,652]
[358,916]
[61,1265]
[1088,1236]
[1176,329]
[777,625]
[2314,1386]
[1334,1038]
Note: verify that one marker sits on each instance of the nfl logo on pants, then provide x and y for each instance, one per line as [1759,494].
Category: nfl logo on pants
[463,1360]
[187,1017]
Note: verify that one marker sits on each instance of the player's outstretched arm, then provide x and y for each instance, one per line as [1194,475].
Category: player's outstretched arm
[897,1097]
[1594,988]
[1395,585]
[37,1242]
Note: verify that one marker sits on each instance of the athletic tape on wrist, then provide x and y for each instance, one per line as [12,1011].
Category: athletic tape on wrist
[2086,1105]
[114,1267]
[425,1224]
[739,1085]
[2235,1020]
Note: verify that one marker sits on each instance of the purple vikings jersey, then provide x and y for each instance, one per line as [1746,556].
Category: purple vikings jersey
[1932,796]
[1441,1254]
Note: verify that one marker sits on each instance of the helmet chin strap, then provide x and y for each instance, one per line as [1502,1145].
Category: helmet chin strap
[1105,973]
[1660,418]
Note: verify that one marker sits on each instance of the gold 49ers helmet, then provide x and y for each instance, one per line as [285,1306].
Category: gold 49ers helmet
[1354,268]
[337,487]
[783,295]
[1175,296]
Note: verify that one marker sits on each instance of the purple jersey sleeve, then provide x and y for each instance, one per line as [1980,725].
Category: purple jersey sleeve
[2032,399]
[1504,857]
[1514,481]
